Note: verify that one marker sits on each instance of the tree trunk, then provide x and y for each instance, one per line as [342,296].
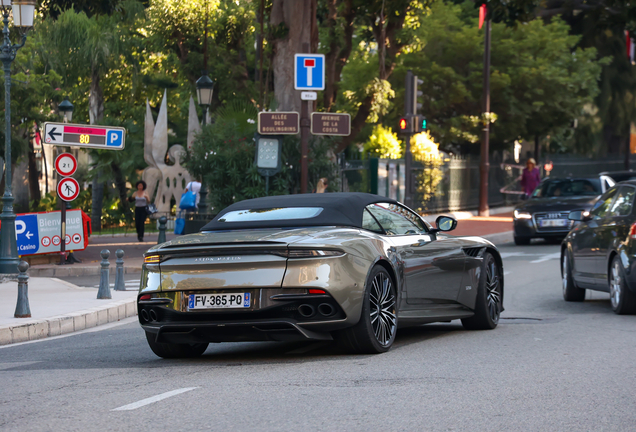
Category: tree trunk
[294,21]
[96,114]
[120,183]
[537,150]
[34,178]
[339,50]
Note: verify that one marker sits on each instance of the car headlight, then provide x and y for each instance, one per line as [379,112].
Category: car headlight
[522,215]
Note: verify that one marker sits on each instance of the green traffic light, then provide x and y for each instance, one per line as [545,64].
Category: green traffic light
[423,124]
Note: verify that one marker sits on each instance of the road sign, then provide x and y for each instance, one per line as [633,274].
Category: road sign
[38,233]
[278,123]
[68,188]
[308,96]
[76,135]
[309,72]
[336,124]
[65,164]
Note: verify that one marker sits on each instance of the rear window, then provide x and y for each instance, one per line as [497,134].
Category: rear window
[568,188]
[287,213]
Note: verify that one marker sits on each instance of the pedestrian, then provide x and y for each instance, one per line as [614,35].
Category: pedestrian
[195,187]
[530,178]
[141,201]
[322,185]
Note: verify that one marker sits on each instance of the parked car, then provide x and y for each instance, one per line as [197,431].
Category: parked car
[545,213]
[600,252]
[619,176]
[350,266]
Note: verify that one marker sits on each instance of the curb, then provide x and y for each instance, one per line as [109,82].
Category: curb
[500,238]
[69,323]
[78,271]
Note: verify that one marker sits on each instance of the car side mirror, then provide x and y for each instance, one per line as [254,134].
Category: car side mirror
[445,223]
[579,216]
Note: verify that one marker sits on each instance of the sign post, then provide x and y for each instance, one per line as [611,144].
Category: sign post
[67,190]
[309,74]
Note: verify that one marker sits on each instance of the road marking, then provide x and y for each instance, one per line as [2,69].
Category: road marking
[506,273]
[122,244]
[153,399]
[11,365]
[547,257]
[108,326]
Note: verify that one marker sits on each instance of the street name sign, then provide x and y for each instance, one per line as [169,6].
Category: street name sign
[38,233]
[65,164]
[335,124]
[76,135]
[278,123]
[68,188]
[308,96]
[309,72]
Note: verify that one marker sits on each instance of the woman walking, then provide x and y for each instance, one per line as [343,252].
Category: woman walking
[141,201]
[531,177]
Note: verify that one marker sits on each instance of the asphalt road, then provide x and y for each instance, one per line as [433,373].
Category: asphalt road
[549,366]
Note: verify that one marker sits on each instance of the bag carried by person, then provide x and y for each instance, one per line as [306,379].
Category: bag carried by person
[188,201]
[179,225]
[151,209]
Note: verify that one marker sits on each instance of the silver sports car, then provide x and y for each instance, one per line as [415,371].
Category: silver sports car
[349,266]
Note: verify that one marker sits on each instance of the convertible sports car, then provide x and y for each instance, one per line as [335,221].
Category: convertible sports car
[350,266]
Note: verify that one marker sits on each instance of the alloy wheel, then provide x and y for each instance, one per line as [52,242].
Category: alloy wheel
[615,285]
[493,291]
[382,309]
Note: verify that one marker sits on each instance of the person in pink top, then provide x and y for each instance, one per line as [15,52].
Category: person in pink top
[531,177]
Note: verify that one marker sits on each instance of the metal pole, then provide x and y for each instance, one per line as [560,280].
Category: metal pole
[162,230]
[22,309]
[484,166]
[409,103]
[63,232]
[203,193]
[266,185]
[104,282]
[8,248]
[120,285]
[305,125]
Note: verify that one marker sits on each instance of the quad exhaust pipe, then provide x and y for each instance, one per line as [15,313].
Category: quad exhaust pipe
[325,309]
[306,310]
[144,315]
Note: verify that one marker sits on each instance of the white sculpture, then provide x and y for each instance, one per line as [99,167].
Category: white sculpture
[168,180]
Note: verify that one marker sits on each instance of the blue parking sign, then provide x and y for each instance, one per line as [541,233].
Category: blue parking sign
[114,137]
[309,72]
[27,235]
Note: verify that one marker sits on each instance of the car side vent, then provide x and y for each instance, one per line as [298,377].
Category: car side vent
[472,252]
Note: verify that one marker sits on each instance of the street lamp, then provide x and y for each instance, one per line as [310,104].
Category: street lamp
[205,90]
[66,110]
[23,14]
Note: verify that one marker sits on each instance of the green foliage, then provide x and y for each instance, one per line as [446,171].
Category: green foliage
[383,143]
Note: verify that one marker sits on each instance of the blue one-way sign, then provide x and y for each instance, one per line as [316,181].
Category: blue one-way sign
[309,72]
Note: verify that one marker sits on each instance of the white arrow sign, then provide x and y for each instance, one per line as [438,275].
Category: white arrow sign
[29,235]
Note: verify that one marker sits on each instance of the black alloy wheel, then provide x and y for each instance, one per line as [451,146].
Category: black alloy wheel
[571,292]
[622,299]
[172,350]
[375,332]
[489,303]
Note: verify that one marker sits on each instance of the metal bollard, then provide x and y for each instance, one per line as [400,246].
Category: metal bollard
[104,288]
[162,229]
[119,275]
[22,309]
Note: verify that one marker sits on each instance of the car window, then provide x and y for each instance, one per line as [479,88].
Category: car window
[396,220]
[369,222]
[567,187]
[602,206]
[622,206]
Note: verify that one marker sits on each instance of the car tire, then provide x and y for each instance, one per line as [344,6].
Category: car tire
[375,332]
[172,350]
[622,299]
[489,302]
[571,292]
[522,241]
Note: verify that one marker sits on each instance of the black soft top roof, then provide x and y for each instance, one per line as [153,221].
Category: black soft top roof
[340,209]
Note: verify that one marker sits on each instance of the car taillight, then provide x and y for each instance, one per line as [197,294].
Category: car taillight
[145,297]
[313,253]
[632,232]
[152,259]
[317,291]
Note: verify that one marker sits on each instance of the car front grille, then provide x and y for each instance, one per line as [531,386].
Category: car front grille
[539,217]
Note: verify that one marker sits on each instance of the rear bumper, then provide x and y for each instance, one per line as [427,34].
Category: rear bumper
[234,331]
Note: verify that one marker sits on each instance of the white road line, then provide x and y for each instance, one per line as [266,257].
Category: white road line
[153,399]
[547,257]
[506,273]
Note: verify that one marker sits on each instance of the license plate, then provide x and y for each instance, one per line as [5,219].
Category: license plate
[218,301]
[553,223]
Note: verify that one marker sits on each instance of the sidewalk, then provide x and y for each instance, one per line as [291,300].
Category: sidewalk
[59,307]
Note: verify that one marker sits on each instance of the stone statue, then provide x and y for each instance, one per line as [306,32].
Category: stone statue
[167,179]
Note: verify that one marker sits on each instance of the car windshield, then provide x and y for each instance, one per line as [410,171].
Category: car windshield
[568,188]
[286,213]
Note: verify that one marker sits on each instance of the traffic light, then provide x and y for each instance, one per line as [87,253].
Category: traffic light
[405,124]
[422,123]
[412,94]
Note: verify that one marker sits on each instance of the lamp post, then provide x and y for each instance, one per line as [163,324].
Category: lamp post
[23,14]
[205,90]
[66,110]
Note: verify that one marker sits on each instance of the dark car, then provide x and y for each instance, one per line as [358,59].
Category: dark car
[600,251]
[619,176]
[350,266]
[545,213]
